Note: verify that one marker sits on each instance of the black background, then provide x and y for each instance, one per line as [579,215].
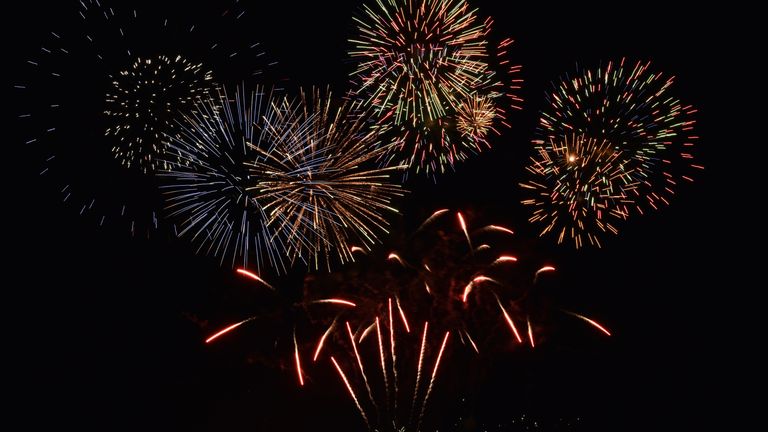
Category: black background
[101,325]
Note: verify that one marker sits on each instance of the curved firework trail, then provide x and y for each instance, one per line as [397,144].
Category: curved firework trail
[318,176]
[611,141]
[97,98]
[207,187]
[425,69]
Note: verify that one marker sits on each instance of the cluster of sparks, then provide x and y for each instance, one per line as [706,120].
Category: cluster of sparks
[584,183]
[262,178]
[144,101]
[612,142]
[425,69]
[460,288]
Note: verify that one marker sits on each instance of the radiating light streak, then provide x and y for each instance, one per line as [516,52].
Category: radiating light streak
[337,301]
[590,321]
[471,341]
[351,392]
[299,371]
[227,330]
[432,378]
[402,315]
[509,321]
[419,367]
[255,277]
[393,350]
[500,229]
[367,331]
[382,357]
[322,340]
[464,228]
[530,332]
[360,364]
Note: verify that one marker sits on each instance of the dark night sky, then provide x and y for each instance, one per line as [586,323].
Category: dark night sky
[101,321]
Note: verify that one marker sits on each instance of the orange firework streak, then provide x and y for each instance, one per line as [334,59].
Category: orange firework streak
[227,330]
[335,301]
[383,363]
[322,340]
[351,392]
[298,360]
[402,315]
[464,228]
[590,321]
[432,379]
[255,277]
[360,364]
[418,368]
[509,321]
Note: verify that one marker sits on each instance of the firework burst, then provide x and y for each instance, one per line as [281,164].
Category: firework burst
[424,68]
[206,187]
[611,141]
[102,93]
[319,178]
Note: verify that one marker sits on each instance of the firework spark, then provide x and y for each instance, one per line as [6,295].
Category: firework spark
[425,70]
[318,176]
